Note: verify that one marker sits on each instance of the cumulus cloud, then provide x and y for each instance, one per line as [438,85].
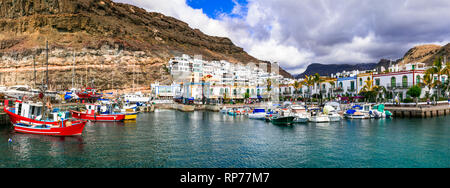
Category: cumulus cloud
[296,33]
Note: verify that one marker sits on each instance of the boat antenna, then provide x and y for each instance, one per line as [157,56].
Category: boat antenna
[73,67]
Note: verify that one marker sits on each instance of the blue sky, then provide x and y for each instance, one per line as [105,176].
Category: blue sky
[213,8]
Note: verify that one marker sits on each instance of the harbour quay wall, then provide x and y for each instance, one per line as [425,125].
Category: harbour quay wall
[421,111]
[188,108]
[180,107]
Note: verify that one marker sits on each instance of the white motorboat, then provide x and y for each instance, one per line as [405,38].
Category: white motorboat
[3,89]
[379,112]
[18,91]
[129,108]
[136,98]
[357,112]
[301,116]
[333,115]
[318,117]
[258,113]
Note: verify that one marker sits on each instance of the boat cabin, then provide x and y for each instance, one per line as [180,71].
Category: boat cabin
[297,109]
[367,107]
[33,110]
[28,109]
[99,109]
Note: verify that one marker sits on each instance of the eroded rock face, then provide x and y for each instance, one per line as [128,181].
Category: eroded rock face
[442,52]
[107,22]
[420,53]
[113,70]
[86,26]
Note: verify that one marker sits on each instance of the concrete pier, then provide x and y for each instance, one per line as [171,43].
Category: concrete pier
[180,107]
[146,109]
[188,108]
[421,111]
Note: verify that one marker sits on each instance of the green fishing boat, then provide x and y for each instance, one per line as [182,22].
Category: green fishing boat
[283,120]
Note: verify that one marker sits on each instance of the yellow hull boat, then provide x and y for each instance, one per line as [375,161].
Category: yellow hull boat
[131,116]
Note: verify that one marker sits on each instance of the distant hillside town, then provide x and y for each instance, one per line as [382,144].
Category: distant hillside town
[199,80]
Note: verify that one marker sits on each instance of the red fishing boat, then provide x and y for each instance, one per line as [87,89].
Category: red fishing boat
[66,128]
[98,113]
[27,118]
[88,94]
[31,118]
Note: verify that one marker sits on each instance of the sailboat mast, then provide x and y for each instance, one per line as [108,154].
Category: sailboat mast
[44,87]
[112,75]
[46,59]
[86,83]
[34,71]
[73,68]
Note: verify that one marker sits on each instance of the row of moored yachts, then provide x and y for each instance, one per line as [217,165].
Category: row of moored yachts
[330,112]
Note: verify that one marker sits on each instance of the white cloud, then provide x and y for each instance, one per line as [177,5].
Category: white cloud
[180,10]
[271,50]
[297,33]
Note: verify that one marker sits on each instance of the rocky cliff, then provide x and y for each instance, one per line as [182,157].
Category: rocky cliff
[110,41]
[422,53]
[444,51]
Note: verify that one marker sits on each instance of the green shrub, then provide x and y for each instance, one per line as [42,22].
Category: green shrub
[408,100]
[443,99]
[414,91]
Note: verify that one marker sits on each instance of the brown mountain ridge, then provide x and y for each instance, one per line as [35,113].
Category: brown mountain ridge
[105,36]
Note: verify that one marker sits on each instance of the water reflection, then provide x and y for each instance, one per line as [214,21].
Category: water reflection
[105,124]
[204,139]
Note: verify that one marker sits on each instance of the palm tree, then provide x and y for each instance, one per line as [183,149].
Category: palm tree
[309,81]
[333,85]
[297,86]
[446,71]
[371,89]
[428,82]
[269,87]
[437,69]
[318,80]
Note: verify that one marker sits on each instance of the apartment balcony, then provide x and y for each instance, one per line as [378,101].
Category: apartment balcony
[405,85]
[338,90]
[349,89]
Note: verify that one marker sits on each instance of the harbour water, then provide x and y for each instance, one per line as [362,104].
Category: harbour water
[199,139]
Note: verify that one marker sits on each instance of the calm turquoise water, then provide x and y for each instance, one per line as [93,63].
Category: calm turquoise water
[206,139]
